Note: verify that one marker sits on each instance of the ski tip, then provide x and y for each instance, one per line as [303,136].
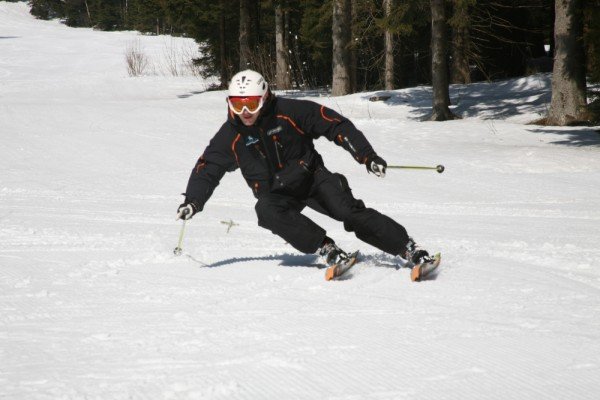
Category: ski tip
[417,272]
[334,271]
[330,273]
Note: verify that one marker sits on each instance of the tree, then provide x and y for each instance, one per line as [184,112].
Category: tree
[341,33]
[215,28]
[245,50]
[569,99]
[223,70]
[312,46]
[389,48]
[460,21]
[592,43]
[390,43]
[592,39]
[503,35]
[353,51]
[46,9]
[283,80]
[439,63]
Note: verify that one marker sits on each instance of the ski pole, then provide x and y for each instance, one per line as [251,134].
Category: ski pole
[439,168]
[177,251]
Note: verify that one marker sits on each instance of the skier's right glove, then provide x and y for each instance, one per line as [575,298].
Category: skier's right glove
[187,210]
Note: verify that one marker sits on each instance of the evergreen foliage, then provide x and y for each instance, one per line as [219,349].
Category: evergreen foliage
[47,9]
[505,35]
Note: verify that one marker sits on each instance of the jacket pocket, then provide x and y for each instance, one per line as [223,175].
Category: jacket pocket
[296,177]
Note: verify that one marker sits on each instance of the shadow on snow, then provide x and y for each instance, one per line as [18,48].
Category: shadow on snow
[286,260]
[487,100]
[575,136]
[312,260]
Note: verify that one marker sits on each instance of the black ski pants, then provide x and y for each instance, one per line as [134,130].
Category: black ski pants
[331,195]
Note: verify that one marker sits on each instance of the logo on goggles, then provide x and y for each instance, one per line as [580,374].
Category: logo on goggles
[252,104]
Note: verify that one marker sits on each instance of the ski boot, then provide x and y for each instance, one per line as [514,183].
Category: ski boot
[332,255]
[338,262]
[419,260]
[415,254]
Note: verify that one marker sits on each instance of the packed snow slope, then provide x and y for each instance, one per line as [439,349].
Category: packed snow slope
[94,305]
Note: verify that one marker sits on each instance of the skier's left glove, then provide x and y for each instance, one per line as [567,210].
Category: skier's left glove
[187,210]
[376,165]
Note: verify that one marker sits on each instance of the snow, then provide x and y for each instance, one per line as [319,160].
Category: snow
[93,303]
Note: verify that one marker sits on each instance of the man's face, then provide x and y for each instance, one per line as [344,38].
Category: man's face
[249,119]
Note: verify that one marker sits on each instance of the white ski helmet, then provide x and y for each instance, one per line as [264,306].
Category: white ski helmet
[248,83]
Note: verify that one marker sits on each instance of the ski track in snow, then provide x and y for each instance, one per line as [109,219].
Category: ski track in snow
[93,304]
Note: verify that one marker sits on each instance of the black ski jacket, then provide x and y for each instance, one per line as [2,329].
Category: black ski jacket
[276,154]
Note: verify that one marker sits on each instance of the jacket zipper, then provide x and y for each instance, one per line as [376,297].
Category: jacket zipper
[257,147]
[266,148]
[277,147]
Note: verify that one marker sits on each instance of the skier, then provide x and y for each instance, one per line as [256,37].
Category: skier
[271,140]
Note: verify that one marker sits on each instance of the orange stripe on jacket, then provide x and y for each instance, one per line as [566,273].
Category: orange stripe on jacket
[237,138]
[291,121]
[201,164]
[328,119]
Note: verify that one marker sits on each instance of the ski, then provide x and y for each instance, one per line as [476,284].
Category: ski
[422,270]
[337,270]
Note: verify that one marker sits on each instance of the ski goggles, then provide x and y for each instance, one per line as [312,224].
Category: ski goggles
[252,104]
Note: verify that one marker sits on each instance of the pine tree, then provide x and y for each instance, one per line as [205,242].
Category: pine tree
[341,34]
[283,80]
[592,39]
[592,44]
[439,63]
[47,9]
[460,70]
[569,100]
[389,48]
[244,30]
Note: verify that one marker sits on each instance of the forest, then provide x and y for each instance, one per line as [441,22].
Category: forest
[351,46]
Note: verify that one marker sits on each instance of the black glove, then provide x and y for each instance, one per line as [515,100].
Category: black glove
[187,210]
[376,165]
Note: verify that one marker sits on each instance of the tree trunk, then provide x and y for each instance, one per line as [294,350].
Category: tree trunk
[389,49]
[223,67]
[439,63]
[254,12]
[460,70]
[569,98]
[341,28]
[245,51]
[353,52]
[87,9]
[282,73]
